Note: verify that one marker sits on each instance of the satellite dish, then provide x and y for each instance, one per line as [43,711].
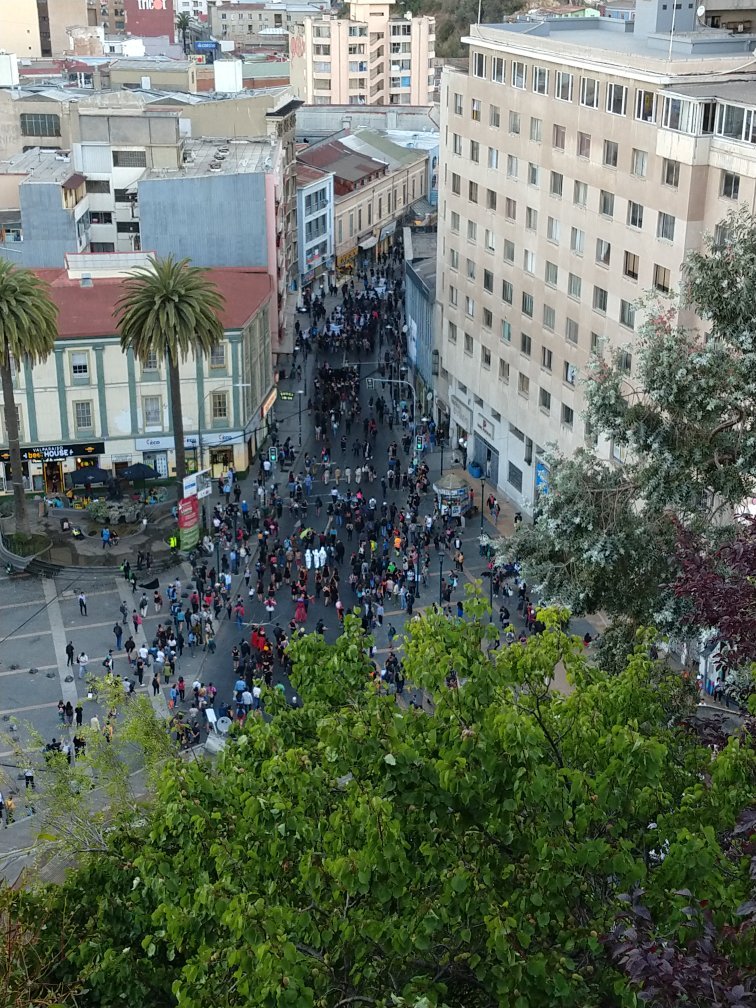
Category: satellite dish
[700,11]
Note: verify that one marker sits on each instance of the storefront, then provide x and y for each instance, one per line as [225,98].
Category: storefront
[43,465]
[223,450]
[158,453]
[485,454]
[345,262]
[384,239]
[461,417]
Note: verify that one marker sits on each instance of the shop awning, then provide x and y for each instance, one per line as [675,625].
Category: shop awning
[387,230]
[369,243]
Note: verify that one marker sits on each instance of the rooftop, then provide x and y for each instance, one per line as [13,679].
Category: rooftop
[306,174]
[346,164]
[377,145]
[137,98]
[221,156]
[89,311]
[40,166]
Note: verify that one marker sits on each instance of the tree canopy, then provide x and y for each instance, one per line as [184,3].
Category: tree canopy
[470,850]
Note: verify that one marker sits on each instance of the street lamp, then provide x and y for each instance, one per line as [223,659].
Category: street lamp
[300,393]
[490,597]
[417,577]
[440,579]
[482,491]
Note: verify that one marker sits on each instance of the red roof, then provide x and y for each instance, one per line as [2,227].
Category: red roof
[306,174]
[88,311]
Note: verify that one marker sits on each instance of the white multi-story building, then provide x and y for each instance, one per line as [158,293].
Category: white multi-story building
[581,160]
[314,222]
[371,58]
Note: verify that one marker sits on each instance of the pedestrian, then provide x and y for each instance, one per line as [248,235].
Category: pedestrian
[118,634]
[143,605]
[29,780]
[83,661]
[82,604]
[79,712]
[69,713]
[155,686]
[130,647]
[69,654]
[391,634]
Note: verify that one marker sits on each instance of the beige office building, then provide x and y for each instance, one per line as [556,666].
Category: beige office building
[375,57]
[34,28]
[581,160]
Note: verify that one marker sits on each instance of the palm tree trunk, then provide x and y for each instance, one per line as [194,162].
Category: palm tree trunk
[14,445]
[177,419]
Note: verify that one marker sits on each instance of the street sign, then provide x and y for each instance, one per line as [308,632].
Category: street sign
[273,454]
[286,396]
[205,44]
[370,382]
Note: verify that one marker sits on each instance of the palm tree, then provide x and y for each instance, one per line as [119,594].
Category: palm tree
[183,23]
[170,309]
[28,327]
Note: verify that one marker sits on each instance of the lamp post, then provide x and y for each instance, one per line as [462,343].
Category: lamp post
[417,576]
[482,491]
[442,458]
[440,579]
[300,393]
[490,597]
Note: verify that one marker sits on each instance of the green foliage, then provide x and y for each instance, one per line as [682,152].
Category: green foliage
[358,851]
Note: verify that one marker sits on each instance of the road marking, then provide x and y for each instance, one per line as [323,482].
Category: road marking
[68,690]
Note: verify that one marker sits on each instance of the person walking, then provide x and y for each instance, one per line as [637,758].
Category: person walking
[69,713]
[82,604]
[79,713]
[143,605]
[155,686]
[83,661]
[118,634]
[69,654]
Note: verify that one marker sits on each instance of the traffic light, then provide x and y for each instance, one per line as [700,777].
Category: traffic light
[370,382]
[273,454]
[419,443]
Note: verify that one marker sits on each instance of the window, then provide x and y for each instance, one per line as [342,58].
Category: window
[514,122]
[527,304]
[568,416]
[514,475]
[631,265]
[474,151]
[616,99]
[503,371]
[453,295]
[98,186]
[603,251]
[510,208]
[512,166]
[544,400]
[526,344]
[662,278]
[546,358]
[606,203]
[472,231]
[563,88]
[472,192]
[456,184]
[536,129]
[469,346]
[627,314]
[680,115]
[589,92]
[625,361]
[528,261]
[534,174]
[153,411]
[493,157]
[218,356]
[494,116]
[540,80]
[490,199]
[79,367]
[219,408]
[571,330]
[645,105]
[584,145]
[574,286]
[634,214]
[730,187]
[570,373]
[470,269]
[454,222]
[129,159]
[497,70]
[506,332]
[665,226]
[453,259]
[600,300]
[509,251]
[40,124]
[456,144]
[639,163]
[611,153]
[488,281]
[150,362]
[595,342]
[452,333]
[551,276]
[553,229]
[507,292]
[580,194]
[549,318]
[671,173]
[557,184]
[83,416]
[479,64]
[475,107]
[577,241]
[519,75]
[100,217]
[469,306]
[558,137]
[485,356]
[490,241]
[487,319]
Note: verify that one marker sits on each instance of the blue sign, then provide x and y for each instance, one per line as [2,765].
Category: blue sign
[205,45]
[541,478]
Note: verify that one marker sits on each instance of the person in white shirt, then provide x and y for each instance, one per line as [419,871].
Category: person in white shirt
[256,694]
[83,661]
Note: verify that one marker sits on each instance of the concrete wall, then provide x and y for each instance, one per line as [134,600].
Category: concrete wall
[64,14]
[19,28]
[199,218]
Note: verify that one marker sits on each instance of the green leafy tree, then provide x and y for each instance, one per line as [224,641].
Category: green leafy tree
[170,309]
[606,534]
[470,850]
[28,327]
[184,23]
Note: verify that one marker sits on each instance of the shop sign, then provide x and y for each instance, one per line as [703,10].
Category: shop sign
[268,403]
[485,426]
[188,521]
[164,443]
[57,453]
[216,440]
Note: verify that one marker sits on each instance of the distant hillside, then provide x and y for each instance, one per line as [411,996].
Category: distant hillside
[454,17]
